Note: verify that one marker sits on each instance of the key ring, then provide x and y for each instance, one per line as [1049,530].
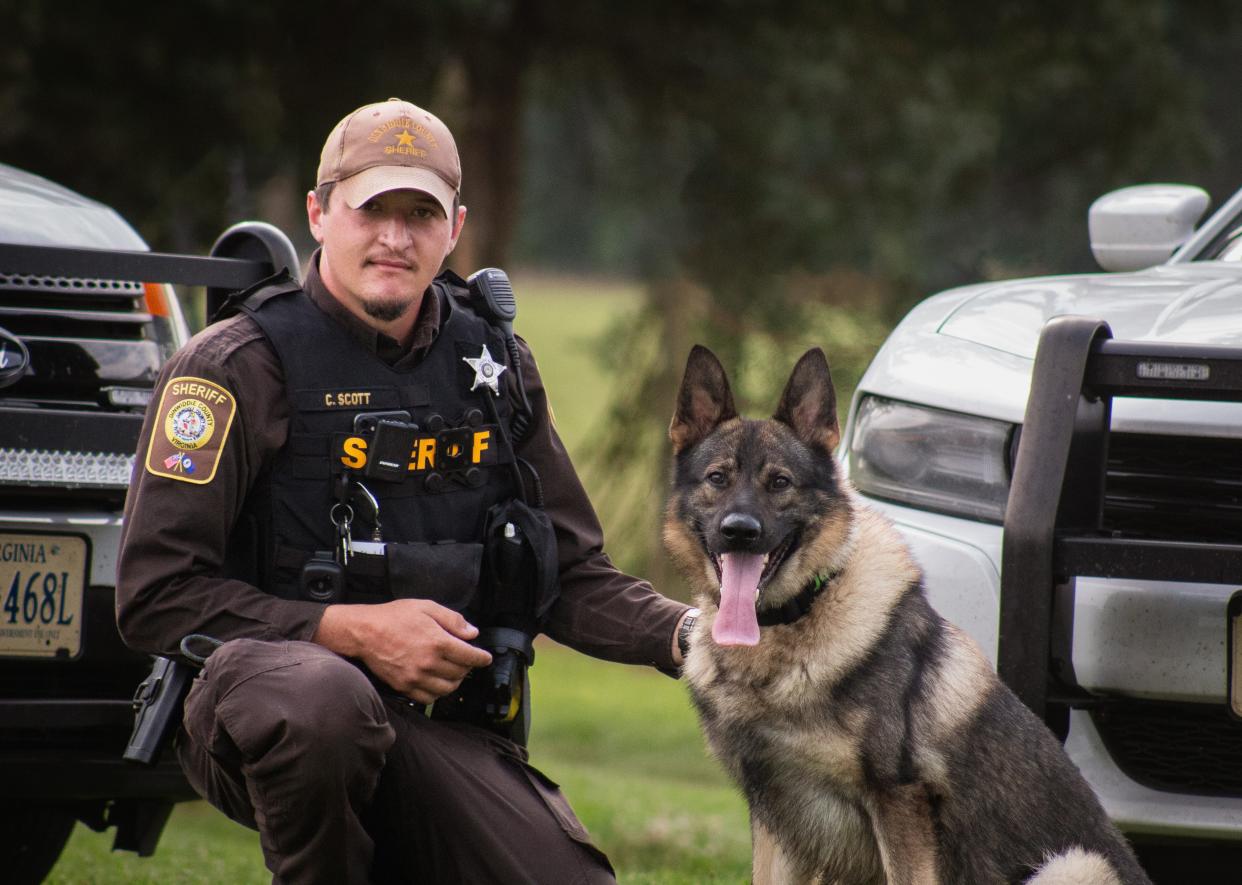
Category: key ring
[342,522]
[345,521]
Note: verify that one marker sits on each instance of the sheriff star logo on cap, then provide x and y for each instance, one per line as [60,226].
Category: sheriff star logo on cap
[486,371]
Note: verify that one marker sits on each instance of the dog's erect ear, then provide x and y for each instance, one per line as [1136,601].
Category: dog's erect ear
[809,404]
[704,400]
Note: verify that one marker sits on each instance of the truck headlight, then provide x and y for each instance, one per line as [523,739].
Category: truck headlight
[931,458]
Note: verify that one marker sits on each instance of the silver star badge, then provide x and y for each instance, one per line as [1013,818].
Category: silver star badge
[486,371]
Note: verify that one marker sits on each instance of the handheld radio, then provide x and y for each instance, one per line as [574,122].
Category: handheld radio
[491,293]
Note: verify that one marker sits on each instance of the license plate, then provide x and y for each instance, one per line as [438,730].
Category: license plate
[42,580]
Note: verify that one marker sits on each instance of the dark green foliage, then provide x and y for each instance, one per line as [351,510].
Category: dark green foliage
[722,140]
[766,165]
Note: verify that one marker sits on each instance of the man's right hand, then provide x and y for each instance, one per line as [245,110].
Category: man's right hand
[416,646]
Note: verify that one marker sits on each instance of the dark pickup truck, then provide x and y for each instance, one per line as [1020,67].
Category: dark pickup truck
[83,334]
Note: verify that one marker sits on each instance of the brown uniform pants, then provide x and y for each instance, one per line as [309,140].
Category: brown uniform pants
[345,786]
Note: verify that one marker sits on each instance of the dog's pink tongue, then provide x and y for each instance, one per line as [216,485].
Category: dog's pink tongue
[736,623]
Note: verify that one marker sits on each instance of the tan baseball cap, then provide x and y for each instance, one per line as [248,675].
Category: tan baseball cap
[391,145]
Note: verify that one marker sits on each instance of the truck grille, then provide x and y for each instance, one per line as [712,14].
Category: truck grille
[1184,748]
[33,306]
[21,282]
[1174,488]
[62,425]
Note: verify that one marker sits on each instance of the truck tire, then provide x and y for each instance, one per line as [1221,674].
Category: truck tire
[31,839]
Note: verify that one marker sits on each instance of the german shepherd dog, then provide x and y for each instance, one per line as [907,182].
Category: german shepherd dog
[870,737]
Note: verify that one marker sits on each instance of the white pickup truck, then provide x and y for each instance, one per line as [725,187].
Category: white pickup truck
[1128,652]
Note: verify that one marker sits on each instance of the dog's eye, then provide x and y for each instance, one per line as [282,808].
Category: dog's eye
[780,483]
[716,478]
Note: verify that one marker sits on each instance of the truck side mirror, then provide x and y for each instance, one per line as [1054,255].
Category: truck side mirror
[1141,226]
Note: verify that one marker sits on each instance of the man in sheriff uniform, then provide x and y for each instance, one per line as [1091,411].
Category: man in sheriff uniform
[324,480]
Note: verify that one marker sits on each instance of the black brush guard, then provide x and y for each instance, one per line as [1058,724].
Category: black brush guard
[1053,522]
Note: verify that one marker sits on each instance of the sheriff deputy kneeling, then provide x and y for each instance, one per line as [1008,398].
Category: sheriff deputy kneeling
[353,483]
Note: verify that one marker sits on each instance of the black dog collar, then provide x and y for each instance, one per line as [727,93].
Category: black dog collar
[795,608]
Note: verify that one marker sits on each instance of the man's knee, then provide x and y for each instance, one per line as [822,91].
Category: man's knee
[295,694]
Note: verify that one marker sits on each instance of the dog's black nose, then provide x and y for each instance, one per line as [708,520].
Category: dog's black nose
[741,528]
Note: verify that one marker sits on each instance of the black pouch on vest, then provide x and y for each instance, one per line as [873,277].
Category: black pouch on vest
[522,565]
[447,572]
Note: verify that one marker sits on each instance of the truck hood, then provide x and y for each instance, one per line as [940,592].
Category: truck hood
[971,349]
[38,212]
[1198,303]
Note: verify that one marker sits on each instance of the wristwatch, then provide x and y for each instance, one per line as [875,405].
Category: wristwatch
[683,632]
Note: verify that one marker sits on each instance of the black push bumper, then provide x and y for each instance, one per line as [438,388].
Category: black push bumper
[1053,523]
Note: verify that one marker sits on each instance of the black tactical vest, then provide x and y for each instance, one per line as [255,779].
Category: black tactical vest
[459,468]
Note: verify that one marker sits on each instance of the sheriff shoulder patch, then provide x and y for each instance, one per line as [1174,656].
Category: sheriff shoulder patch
[190,429]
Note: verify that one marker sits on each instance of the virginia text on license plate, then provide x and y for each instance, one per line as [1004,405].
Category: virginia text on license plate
[42,579]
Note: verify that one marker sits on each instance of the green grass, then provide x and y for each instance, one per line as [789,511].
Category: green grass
[199,846]
[622,742]
[563,320]
[625,747]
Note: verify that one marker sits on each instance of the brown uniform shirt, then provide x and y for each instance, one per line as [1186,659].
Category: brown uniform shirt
[177,525]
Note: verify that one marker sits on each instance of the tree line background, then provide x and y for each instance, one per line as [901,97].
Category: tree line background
[776,174]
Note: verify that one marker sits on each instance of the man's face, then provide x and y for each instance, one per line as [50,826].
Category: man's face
[378,259]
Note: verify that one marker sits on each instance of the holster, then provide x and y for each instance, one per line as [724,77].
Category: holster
[157,709]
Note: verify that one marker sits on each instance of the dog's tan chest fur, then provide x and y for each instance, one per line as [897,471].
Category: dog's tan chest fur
[778,691]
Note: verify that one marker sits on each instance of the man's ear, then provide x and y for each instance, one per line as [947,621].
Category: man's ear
[314,216]
[809,404]
[704,401]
